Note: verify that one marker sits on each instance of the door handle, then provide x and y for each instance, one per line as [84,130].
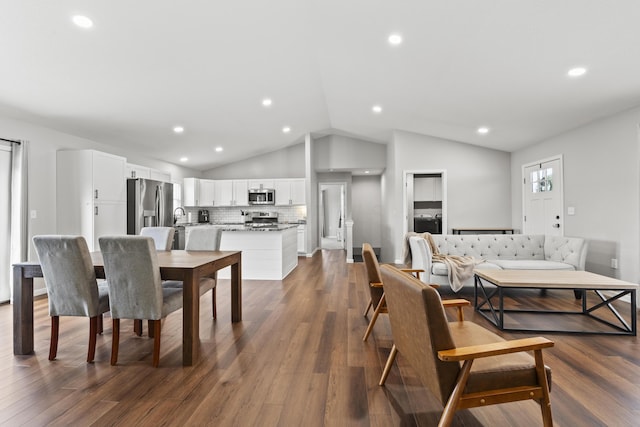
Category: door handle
[556,225]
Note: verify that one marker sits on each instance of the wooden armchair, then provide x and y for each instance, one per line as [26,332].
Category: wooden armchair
[493,370]
[376,290]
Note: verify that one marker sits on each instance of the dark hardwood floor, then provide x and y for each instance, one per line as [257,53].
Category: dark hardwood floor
[296,359]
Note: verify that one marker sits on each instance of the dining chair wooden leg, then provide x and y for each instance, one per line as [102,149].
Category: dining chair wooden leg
[150,327]
[53,345]
[213,303]
[379,308]
[93,333]
[115,341]
[137,327]
[387,366]
[100,323]
[368,307]
[157,330]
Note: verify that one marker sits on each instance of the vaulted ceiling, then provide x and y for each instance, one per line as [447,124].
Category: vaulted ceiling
[146,66]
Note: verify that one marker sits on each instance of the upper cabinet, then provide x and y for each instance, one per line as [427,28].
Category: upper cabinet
[261,183]
[137,171]
[216,193]
[159,175]
[231,192]
[197,192]
[290,192]
[427,189]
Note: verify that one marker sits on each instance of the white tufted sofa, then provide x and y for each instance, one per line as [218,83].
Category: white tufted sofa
[499,251]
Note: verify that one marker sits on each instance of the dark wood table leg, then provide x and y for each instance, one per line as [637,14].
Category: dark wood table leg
[236,291]
[22,311]
[190,319]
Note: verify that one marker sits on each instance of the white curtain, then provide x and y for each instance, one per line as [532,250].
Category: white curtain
[19,204]
[5,221]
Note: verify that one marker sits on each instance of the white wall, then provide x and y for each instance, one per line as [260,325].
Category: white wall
[288,162]
[43,144]
[343,153]
[601,180]
[366,202]
[478,183]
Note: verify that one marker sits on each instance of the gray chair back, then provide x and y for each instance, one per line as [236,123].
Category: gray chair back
[162,236]
[206,238]
[69,276]
[133,275]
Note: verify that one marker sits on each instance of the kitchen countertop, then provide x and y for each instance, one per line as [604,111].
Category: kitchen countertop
[242,227]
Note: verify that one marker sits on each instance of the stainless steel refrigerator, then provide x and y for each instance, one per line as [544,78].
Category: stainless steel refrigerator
[149,204]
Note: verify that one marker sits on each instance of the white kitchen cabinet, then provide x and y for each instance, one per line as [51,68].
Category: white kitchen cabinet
[91,195]
[137,171]
[207,193]
[223,194]
[198,192]
[231,193]
[261,183]
[427,189]
[302,237]
[290,192]
[159,175]
[240,192]
[190,190]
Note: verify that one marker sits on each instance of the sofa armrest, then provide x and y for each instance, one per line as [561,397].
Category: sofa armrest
[421,257]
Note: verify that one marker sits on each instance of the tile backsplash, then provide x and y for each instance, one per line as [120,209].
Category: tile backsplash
[233,215]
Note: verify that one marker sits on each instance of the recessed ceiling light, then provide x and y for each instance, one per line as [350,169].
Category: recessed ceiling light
[366,171]
[184,159]
[219,149]
[82,21]
[395,39]
[178,129]
[267,102]
[483,130]
[577,72]
[286,129]
[376,109]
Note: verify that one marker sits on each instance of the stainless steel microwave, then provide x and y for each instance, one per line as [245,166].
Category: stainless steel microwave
[262,196]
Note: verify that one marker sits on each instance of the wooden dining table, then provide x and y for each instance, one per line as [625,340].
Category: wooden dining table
[186,266]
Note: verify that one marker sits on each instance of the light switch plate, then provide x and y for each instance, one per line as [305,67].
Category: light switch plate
[571,210]
[34,214]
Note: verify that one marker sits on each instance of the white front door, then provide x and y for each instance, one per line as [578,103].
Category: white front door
[543,198]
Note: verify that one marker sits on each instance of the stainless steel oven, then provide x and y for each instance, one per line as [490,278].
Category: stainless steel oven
[262,196]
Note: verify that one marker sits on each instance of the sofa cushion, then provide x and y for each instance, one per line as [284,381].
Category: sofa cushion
[531,264]
[440,268]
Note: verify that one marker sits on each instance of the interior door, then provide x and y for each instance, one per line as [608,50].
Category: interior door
[543,198]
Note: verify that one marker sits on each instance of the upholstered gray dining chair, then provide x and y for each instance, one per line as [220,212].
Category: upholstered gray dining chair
[162,236]
[71,286]
[206,238]
[135,289]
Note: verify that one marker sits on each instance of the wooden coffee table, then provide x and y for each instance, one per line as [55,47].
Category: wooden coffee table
[490,286]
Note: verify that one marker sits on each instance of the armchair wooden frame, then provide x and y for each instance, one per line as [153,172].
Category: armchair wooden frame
[446,369]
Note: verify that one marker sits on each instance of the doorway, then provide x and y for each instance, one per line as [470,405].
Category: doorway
[543,197]
[425,201]
[5,221]
[332,215]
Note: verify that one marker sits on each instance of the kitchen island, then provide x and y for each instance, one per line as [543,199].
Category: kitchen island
[268,253]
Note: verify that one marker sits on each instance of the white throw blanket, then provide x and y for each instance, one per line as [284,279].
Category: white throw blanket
[460,268]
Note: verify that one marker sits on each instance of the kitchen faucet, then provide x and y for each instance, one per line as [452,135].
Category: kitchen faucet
[175,217]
